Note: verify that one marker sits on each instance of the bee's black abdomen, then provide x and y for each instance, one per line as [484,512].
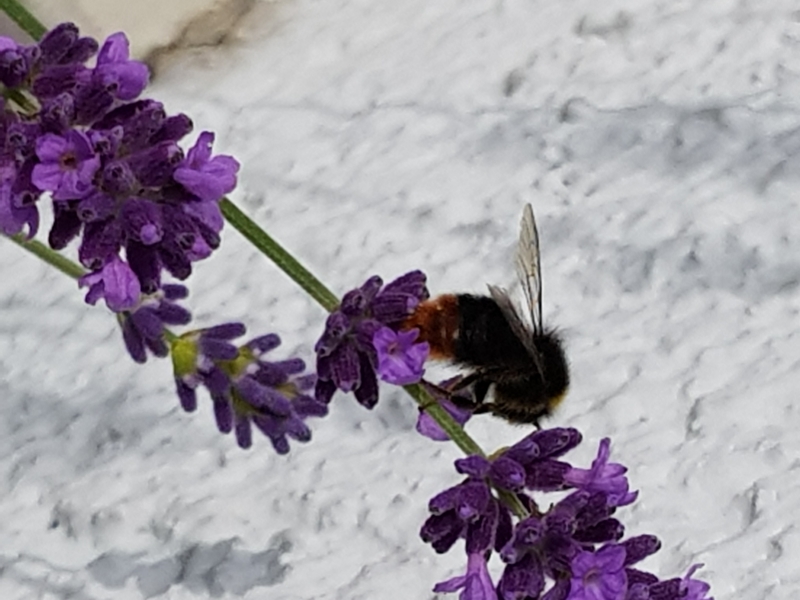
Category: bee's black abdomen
[554,361]
[484,337]
[485,341]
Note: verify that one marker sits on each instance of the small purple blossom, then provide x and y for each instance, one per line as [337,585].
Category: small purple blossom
[116,283]
[603,476]
[16,198]
[400,360]
[143,327]
[346,355]
[114,67]
[67,165]
[207,178]
[694,589]
[475,584]
[467,510]
[599,575]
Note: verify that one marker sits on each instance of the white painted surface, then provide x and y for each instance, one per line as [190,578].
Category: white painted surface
[658,143]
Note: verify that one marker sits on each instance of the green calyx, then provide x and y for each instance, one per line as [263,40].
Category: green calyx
[184,353]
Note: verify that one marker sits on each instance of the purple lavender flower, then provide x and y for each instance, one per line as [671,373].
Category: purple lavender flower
[114,67]
[16,200]
[536,455]
[246,390]
[67,167]
[476,583]
[346,355]
[400,360]
[15,62]
[599,575]
[398,299]
[603,476]
[115,283]
[693,588]
[470,511]
[207,178]
[143,327]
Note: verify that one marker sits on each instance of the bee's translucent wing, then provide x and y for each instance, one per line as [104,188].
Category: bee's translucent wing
[522,331]
[529,269]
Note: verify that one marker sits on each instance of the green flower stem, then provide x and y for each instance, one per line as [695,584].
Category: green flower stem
[18,98]
[51,257]
[276,253]
[26,21]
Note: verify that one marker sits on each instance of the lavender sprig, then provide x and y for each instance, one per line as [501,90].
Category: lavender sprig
[247,390]
[570,551]
[111,163]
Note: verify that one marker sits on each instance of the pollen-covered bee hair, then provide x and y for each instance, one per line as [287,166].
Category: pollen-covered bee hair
[520,360]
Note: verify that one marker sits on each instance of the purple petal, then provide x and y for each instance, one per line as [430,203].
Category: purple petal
[224,416]
[507,473]
[476,466]
[134,342]
[640,547]
[116,283]
[345,370]
[244,432]
[114,67]
[400,361]
[207,178]
[187,396]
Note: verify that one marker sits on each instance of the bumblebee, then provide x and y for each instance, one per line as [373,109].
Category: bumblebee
[520,360]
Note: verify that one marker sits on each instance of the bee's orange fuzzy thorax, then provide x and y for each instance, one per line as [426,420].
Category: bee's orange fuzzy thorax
[437,321]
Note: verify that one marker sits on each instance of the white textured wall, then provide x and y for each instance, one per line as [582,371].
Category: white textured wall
[658,142]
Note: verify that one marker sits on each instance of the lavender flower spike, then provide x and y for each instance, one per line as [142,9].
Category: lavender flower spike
[568,551]
[117,176]
[347,357]
[246,389]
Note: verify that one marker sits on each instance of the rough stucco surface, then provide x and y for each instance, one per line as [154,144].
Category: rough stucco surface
[658,143]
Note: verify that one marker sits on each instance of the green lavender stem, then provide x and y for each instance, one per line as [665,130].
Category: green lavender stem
[26,21]
[51,257]
[276,253]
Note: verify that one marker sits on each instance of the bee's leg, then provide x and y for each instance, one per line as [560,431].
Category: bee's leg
[449,393]
[437,388]
[479,390]
[467,381]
